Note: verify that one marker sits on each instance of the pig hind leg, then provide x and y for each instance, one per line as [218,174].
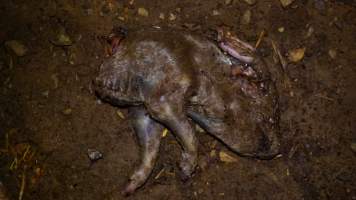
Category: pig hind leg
[171,115]
[149,136]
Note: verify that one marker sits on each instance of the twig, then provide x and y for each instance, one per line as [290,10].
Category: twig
[13,164]
[120,114]
[164,132]
[280,57]
[262,34]
[159,173]
[23,183]
[31,156]
[26,152]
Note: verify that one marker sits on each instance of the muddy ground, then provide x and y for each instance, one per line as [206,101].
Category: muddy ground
[49,117]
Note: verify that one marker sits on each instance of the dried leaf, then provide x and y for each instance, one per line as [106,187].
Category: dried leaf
[119,113]
[142,12]
[296,55]
[279,55]
[164,132]
[225,157]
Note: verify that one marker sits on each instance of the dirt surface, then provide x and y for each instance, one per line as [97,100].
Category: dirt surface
[49,117]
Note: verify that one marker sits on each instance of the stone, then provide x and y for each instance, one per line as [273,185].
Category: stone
[332,53]
[94,155]
[281,29]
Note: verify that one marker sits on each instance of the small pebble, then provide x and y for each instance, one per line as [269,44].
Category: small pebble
[94,155]
[332,53]
[216,12]
[172,17]
[281,29]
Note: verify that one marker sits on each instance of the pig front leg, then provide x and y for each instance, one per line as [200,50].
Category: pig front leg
[171,115]
[149,136]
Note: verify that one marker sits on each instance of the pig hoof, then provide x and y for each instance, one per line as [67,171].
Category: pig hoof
[134,183]
[129,189]
[187,166]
